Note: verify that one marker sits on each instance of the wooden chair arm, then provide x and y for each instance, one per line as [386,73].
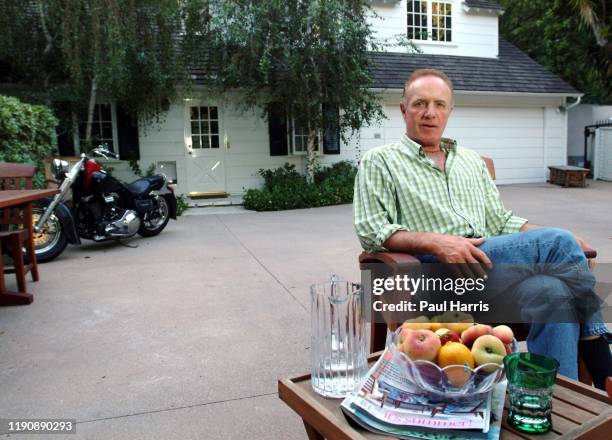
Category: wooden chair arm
[395,260]
[590,252]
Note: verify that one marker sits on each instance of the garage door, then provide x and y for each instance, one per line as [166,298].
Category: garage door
[513,137]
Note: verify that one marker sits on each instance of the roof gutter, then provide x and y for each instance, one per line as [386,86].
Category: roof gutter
[578,96]
[574,104]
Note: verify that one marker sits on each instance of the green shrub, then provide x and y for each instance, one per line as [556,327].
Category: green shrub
[285,188]
[181,205]
[27,134]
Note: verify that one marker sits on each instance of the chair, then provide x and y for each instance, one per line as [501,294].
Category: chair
[397,263]
[15,176]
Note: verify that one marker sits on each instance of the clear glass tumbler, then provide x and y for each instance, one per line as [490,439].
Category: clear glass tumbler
[530,380]
[338,339]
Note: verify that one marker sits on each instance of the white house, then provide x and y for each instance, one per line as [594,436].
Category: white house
[508,107]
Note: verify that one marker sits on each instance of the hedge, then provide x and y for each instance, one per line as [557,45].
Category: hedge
[27,134]
[285,188]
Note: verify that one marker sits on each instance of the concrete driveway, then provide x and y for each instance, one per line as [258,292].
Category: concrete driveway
[185,335]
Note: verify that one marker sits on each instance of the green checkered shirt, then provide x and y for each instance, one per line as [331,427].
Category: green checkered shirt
[398,187]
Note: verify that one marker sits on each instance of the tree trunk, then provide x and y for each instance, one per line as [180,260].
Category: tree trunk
[46,51]
[90,111]
[311,157]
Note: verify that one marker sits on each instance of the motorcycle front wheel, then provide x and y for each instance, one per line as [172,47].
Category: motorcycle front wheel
[153,224]
[51,240]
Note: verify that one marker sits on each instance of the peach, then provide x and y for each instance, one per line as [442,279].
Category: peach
[404,332]
[504,333]
[471,334]
[488,349]
[421,345]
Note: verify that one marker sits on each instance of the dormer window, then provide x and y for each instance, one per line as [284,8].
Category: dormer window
[429,20]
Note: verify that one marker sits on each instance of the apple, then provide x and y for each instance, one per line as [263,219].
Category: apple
[447,335]
[488,349]
[421,345]
[504,333]
[471,334]
[418,323]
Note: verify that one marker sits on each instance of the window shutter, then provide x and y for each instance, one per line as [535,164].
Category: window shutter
[277,129]
[127,134]
[331,130]
[64,130]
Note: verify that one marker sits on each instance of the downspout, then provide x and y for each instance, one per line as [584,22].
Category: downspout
[574,104]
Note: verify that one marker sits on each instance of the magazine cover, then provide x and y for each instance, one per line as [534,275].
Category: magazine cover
[386,402]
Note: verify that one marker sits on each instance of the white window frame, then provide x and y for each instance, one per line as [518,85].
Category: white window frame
[292,135]
[77,134]
[200,120]
[430,15]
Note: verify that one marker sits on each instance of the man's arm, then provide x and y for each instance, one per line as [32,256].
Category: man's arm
[448,249]
[374,209]
[529,227]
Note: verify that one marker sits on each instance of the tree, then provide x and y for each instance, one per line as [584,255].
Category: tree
[556,36]
[303,56]
[83,50]
[596,16]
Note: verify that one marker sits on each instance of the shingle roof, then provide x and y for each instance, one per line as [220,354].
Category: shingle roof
[484,4]
[512,71]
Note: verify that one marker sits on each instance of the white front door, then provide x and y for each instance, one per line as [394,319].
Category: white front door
[204,150]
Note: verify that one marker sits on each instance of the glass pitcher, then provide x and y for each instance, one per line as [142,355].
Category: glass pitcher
[338,339]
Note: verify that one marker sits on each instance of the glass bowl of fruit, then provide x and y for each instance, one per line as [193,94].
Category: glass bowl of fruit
[454,360]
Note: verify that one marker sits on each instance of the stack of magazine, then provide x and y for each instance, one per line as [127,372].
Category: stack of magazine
[386,402]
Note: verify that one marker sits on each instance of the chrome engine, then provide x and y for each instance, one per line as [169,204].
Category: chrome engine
[124,227]
[112,221]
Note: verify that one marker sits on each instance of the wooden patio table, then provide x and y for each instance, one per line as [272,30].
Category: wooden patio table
[22,199]
[579,412]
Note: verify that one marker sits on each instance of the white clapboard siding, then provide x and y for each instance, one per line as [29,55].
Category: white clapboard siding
[473,34]
[522,141]
[523,137]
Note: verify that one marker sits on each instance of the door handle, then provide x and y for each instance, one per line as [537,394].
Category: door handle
[190,153]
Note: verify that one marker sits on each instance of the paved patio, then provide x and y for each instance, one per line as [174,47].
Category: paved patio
[186,335]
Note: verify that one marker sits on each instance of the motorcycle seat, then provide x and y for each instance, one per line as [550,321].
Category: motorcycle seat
[145,185]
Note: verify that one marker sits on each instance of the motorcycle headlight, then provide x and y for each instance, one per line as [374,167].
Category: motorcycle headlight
[60,168]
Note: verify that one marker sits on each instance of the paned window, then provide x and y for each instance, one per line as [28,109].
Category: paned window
[101,127]
[299,137]
[429,20]
[441,21]
[204,127]
[417,20]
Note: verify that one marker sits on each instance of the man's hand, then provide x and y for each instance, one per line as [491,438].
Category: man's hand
[586,247]
[462,253]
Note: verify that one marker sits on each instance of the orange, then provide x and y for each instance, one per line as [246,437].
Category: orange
[455,353]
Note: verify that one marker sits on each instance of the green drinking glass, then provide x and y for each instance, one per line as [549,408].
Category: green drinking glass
[530,380]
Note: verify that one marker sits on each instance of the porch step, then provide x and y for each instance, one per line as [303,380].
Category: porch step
[217,201]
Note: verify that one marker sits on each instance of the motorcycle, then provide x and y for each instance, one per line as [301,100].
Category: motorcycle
[102,207]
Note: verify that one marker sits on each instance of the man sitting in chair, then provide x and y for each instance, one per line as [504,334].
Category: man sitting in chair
[425,196]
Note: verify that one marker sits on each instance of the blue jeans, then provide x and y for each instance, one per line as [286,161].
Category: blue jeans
[519,259]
